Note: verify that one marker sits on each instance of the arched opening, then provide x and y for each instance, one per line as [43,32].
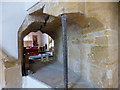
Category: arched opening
[38,50]
[92,49]
[55,72]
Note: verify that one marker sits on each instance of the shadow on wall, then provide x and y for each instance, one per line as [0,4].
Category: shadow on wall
[94,24]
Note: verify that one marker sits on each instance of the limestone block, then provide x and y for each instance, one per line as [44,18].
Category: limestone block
[102,40]
[108,32]
[85,36]
[31,23]
[37,9]
[73,30]
[58,8]
[99,54]
[103,55]
[109,10]
[113,54]
[10,72]
[103,77]
[94,24]
[88,41]
[77,18]
[85,31]
[13,77]
[2,75]
[113,39]
[99,77]
[83,52]
[115,77]
[77,41]
[85,68]
[105,37]
[93,49]
[74,52]
[52,24]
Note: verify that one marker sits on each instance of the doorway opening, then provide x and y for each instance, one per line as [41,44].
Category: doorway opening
[38,51]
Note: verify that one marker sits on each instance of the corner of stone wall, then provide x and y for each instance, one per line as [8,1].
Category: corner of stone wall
[10,72]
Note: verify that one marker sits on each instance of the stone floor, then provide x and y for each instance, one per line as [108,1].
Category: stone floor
[52,74]
[29,82]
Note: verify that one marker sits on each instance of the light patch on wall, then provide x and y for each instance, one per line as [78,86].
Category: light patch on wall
[109,74]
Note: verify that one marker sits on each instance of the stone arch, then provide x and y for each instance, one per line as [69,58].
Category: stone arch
[46,24]
[49,24]
[31,24]
[95,18]
[46,18]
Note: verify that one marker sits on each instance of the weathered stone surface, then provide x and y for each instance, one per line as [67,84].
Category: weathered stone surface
[85,31]
[102,40]
[119,42]
[95,10]
[94,50]
[37,9]
[58,8]
[88,41]
[92,38]
[13,77]
[99,54]
[29,23]
[10,72]
[100,76]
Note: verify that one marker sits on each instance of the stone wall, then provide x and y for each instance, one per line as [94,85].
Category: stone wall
[93,50]
[103,57]
[10,72]
[119,46]
[2,74]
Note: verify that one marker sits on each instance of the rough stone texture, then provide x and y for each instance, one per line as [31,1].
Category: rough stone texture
[36,9]
[95,10]
[57,8]
[2,75]
[51,73]
[119,33]
[105,54]
[119,44]
[93,51]
[10,72]
[92,39]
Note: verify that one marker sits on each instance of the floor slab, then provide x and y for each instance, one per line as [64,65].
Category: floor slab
[30,82]
[52,74]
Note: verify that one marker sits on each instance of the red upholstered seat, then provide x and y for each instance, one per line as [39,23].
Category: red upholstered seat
[32,50]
